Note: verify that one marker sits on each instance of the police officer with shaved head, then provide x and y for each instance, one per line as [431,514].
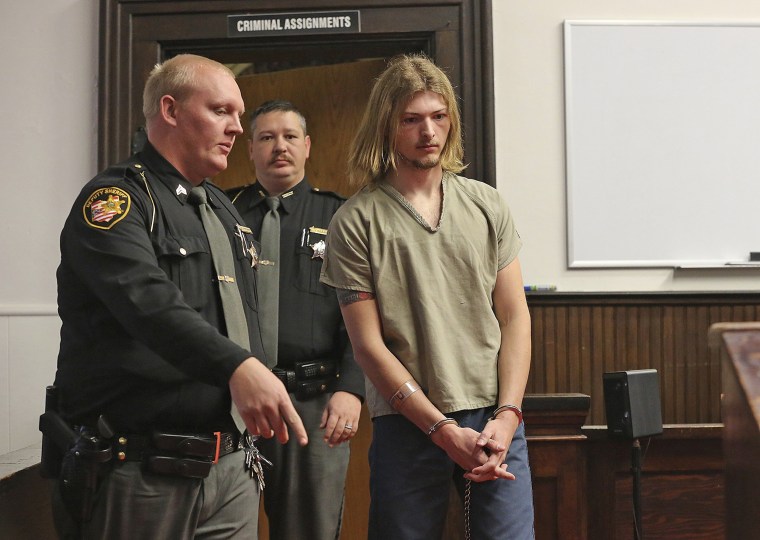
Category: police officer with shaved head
[161,368]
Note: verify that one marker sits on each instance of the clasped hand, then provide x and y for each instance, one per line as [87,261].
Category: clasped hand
[481,454]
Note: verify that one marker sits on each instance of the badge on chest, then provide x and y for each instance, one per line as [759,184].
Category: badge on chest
[314,237]
[247,244]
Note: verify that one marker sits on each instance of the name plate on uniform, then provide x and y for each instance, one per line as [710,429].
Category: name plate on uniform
[312,22]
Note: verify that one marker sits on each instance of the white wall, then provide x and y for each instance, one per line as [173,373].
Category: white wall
[528,57]
[48,110]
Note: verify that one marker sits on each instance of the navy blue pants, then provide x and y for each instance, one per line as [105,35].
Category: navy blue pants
[410,482]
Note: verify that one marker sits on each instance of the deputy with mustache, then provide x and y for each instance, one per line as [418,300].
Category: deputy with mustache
[304,493]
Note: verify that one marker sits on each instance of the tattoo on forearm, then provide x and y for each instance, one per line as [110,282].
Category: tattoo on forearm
[346,297]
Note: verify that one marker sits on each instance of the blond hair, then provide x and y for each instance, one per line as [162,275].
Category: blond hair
[371,155]
[176,77]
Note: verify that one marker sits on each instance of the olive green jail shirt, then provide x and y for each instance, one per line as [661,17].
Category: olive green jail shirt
[433,286]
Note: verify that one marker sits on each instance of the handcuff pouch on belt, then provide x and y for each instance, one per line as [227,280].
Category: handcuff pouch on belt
[309,379]
[176,454]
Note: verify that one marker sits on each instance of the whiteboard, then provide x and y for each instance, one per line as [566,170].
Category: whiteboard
[662,143]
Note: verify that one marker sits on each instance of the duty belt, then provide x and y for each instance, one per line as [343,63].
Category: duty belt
[176,454]
[308,379]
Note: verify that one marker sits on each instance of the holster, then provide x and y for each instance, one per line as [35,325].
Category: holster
[77,459]
[82,469]
[57,436]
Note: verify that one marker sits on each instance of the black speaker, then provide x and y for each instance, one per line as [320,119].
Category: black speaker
[632,403]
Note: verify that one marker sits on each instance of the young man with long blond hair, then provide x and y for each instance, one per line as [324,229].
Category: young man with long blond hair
[426,270]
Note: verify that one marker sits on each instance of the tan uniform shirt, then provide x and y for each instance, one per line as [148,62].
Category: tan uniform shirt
[433,286]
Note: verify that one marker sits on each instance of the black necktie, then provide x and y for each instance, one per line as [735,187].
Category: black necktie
[269,279]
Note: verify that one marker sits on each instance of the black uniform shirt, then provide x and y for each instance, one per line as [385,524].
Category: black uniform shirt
[143,339]
[310,323]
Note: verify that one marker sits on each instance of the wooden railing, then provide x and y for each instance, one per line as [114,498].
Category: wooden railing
[739,346]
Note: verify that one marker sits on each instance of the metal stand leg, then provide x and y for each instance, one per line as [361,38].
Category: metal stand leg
[638,533]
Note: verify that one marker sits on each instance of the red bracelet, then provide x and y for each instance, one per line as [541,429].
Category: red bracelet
[508,407]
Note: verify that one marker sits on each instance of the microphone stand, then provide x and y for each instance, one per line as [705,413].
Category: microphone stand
[638,533]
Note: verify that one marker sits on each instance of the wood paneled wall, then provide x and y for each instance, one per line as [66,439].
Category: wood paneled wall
[579,336]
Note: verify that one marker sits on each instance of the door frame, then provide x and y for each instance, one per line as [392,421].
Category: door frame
[136,34]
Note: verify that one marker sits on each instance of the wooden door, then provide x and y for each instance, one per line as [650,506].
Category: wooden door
[136,34]
[332,98]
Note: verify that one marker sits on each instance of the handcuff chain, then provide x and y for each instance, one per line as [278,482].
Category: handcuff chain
[467,501]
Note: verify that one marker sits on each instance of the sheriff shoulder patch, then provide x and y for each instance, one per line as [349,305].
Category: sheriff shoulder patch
[106,207]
